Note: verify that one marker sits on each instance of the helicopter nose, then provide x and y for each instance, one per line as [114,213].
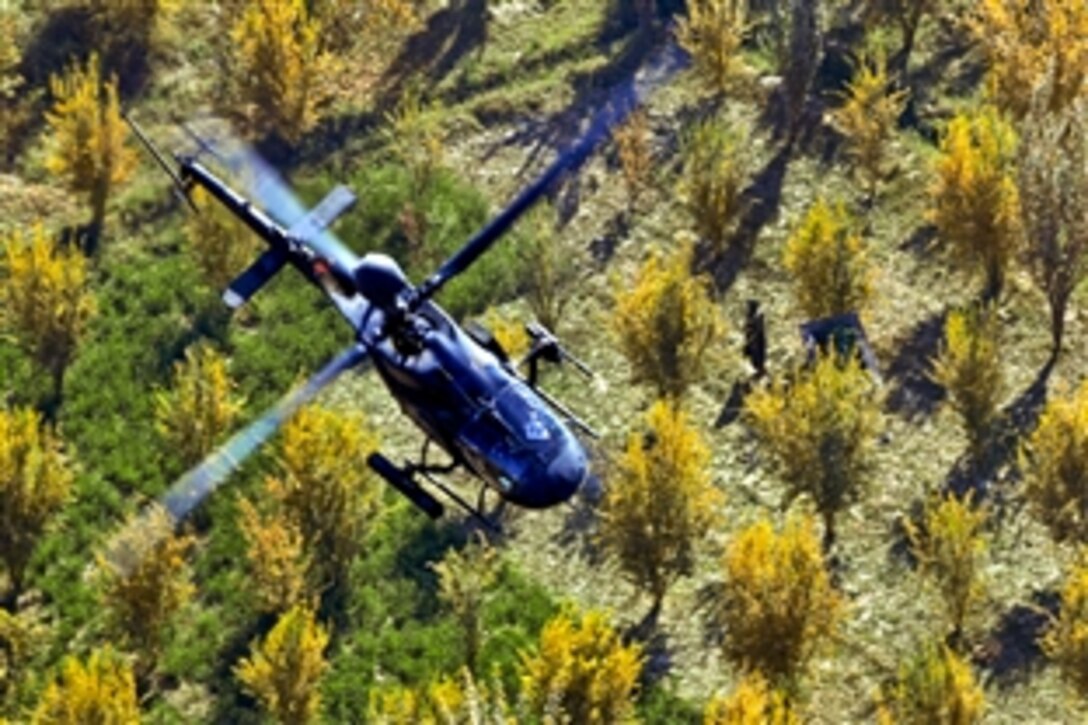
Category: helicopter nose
[566,472]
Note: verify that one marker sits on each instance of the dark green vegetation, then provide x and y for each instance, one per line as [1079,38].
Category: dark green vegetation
[513,80]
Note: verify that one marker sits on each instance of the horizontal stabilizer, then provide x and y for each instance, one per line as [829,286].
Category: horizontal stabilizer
[256,275]
[338,201]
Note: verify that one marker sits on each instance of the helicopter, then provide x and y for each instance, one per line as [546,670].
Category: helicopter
[455,382]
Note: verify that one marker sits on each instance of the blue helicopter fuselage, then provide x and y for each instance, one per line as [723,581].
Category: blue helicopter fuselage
[478,409]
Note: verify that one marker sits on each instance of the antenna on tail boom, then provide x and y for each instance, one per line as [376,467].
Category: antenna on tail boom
[180,187]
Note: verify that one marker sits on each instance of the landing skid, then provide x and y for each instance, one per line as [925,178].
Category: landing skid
[404,480]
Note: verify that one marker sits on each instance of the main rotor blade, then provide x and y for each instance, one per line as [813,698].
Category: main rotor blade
[198,483]
[624,98]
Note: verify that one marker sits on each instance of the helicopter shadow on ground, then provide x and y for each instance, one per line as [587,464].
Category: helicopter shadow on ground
[1011,652]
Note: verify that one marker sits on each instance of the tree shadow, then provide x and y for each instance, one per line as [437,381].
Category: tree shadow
[1011,652]
[914,393]
[1017,419]
[761,201]
[450,35]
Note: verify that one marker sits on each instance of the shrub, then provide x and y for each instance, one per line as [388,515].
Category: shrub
[975,201]
[868,118]
[447,700]
[145,580]
[713,180]
[819,433]
[753,702]
[200,406]
[1055,465]
[35,480]
[550,265]
[220,244]
[276,557]
[827,261]
[87,143]
[1053,188]
[1033,47]
[969,368]
[636,161]
[464,580]
[713,33]
[326,489]
[102,690]
[284,671]
[1066,640]
[935,687]
[948,548]
[661,503]
[581,671]
[777,605]
[281,68]
[666,321]
[45,300]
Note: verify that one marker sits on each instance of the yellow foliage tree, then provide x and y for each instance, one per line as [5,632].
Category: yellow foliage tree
[199,407]
[827,260]
[34,483]
[661,502]
[1033,46]
[1053,186]
[461,700]
[868,118]
[581,672]
[144,590]
[713,33]
[976,207]
[666,321]
[777,605]
[276,556]
[44,300]
[464,579]
[87,148]
[949,547]
[285,670]
[101,691]
[969,368]
[712,184]
[820,432]
[219,243]
[1055,465]
[327,490]
[935,687]
[282,70]
[1066,639]
[753,702]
